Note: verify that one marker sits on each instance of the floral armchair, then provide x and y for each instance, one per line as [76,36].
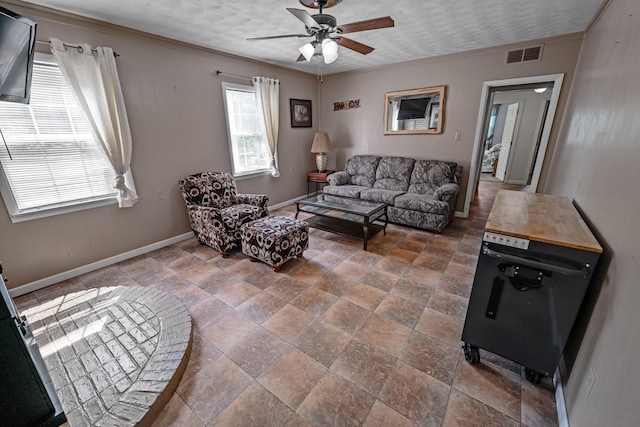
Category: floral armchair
[217,212]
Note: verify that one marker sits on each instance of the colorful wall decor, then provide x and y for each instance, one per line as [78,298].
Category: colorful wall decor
[346,105]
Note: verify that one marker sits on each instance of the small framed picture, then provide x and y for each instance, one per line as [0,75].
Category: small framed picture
[433,116]
[300,113]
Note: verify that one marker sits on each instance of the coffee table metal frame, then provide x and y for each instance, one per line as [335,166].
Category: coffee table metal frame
[340,216]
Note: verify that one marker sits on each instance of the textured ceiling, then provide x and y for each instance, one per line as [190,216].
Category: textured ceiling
[423,28]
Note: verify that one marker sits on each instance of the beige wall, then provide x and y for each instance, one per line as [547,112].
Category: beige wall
[174,103]
[360,130]
[596,164]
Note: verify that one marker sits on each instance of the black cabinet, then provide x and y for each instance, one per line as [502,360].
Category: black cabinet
[535,265]
[27,396]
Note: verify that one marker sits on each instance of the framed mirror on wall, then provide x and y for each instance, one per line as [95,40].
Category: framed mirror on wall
[414,111]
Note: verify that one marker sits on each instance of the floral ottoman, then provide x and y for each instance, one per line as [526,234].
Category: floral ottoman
[275,239]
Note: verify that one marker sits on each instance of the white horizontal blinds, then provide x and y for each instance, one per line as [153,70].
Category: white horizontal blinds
[250,149]
[52,159]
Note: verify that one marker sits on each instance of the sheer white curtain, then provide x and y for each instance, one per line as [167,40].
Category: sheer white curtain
[94,81]
[268,99]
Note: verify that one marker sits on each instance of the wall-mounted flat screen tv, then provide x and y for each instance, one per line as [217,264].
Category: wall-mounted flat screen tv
[413,108]
[17,49]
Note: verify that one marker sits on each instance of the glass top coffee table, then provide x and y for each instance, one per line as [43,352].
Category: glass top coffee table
[341,215]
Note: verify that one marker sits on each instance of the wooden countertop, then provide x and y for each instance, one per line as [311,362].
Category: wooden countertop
[542,218]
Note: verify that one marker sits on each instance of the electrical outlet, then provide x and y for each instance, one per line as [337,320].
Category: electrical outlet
[159,195]
[291,170]
[590,382]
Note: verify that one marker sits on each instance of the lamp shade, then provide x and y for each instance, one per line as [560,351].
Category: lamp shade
[321,143]
[308,50]
[329,50]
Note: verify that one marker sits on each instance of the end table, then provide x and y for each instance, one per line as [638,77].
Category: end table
[317,177]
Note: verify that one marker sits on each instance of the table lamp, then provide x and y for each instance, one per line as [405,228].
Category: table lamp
[321,146]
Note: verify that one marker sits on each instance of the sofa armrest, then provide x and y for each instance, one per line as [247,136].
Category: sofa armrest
[447,192]
[338,178]
[259,200]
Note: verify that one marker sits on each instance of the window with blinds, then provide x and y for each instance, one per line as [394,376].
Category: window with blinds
[48,153]
[247,137]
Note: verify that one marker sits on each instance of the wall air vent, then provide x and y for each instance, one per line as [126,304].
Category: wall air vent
[514,56]
[533,53]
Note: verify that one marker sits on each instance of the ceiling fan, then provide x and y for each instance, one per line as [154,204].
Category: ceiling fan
[327,33]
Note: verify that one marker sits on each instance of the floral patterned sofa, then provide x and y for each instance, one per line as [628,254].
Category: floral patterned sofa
[419,193]
[217,212]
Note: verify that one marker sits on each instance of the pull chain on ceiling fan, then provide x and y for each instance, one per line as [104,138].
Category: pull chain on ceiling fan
[327,33]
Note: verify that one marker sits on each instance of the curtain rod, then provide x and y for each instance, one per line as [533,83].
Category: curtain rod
[218,72]
[75,46]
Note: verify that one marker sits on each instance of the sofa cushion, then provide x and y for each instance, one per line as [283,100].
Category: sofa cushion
[362,169]
[210,189]
[352,191]
[422,203]
[380,195]
[428,175]
[234,216]
[394,173]
[418,219]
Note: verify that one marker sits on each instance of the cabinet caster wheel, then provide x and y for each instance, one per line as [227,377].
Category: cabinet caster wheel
[471,353]
[532,376]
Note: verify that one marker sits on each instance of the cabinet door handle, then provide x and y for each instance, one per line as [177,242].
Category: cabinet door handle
[583,272]
[494,298]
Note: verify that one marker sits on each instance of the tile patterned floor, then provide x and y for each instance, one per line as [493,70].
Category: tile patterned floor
[341,337]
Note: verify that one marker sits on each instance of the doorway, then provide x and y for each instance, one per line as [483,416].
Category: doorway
[505,152]
[532,172]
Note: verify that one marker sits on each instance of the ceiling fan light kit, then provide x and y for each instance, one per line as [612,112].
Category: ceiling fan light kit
[317,4]
[329,50]
[308,50]
[327,33]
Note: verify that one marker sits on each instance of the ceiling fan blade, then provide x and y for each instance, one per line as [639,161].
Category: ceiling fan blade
[354,45]
[279,37]
[304,16]
[370,24]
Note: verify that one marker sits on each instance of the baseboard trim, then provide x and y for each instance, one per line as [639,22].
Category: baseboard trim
[291,201]
[69,274]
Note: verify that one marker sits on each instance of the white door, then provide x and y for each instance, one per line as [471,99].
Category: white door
[507,138]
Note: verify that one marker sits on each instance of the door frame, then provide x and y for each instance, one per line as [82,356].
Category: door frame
[476,154]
